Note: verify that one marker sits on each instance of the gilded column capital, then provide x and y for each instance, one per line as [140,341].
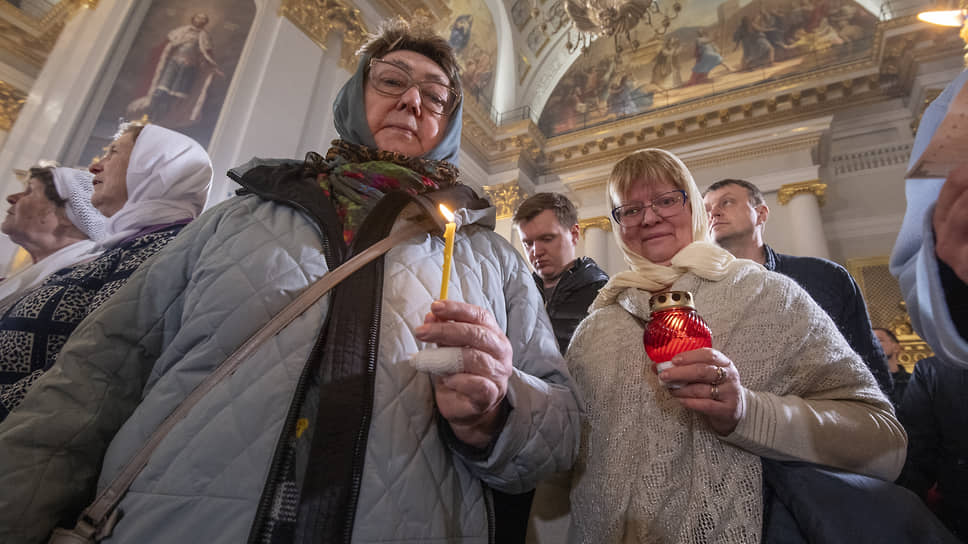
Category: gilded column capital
[790,190]
[600,222]
[506,197]
[11,100]
[317,18]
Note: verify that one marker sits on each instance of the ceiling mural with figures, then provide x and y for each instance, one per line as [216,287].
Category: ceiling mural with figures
[471,32]
[712,47]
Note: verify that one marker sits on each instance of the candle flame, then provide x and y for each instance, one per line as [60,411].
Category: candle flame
[449,215]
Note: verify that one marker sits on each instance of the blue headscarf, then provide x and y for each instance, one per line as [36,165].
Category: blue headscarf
[349,116]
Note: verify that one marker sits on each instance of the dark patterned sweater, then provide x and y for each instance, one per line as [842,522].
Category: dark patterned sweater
[34,328]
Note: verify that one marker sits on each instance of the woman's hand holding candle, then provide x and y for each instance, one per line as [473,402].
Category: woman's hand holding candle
[698,371]
[470,400]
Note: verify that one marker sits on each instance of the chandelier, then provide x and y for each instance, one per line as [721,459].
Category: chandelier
[616,19]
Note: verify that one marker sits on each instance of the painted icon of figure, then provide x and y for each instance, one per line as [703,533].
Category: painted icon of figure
[757,50]
[460,33]
[665,67]
[182,77]
[707,58]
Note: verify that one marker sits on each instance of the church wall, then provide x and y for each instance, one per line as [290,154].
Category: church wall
[279,103]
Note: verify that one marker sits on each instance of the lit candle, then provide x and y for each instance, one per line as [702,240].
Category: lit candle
[448,249]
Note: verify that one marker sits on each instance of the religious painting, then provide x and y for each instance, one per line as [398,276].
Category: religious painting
[177,71]
[711,47]
[472,34]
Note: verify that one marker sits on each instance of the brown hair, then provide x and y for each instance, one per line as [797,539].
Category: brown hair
[563,209]
[888,333]
[45,175]
[755,195]
[396,34]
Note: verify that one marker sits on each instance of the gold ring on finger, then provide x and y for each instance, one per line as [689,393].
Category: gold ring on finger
[714,392]
[720,375]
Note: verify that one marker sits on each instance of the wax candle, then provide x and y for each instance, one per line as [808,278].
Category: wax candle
[449,232]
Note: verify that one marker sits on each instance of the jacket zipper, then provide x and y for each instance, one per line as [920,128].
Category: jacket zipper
[491,520]
[271,481]
[359,457]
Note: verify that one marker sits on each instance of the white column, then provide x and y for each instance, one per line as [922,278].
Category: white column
[616,261]
[596,240]
[804,200]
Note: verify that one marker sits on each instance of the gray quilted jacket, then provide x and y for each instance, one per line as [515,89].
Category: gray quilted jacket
[140,354]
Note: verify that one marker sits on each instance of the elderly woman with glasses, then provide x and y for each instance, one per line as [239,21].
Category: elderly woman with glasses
[675,456]
[327,432]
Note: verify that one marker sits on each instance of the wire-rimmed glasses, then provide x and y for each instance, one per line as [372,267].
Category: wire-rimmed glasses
[390,79]
[665,205]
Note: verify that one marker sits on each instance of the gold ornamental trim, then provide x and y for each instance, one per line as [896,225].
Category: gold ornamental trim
[600,222]
[30,39]
[506,197]
[434,11]
[11,100]
[318,18]
[887,71]
[913,347]
[608,145]
[790,190]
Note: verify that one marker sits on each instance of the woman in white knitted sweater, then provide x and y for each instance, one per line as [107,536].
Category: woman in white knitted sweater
[683,465]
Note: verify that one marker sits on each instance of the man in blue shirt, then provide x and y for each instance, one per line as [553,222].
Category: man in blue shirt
[737,217]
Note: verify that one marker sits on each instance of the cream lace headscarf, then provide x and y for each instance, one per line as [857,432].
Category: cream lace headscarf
[702,257]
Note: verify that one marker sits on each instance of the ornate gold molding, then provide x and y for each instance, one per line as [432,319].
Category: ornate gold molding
[11,100]
[883,296]
[608,143]
[432,10]
[600,222]
[317,18]
[506,197]
[883,74]
[30,39]
[790,190]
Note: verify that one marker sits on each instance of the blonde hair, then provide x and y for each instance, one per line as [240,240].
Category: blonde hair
[653,166]
[701,257]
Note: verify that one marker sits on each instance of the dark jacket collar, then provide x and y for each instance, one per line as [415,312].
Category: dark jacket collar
[582,271]
[771,258]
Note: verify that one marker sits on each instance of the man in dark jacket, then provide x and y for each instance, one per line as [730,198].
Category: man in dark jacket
[737,217]
[548,226]
[934,413]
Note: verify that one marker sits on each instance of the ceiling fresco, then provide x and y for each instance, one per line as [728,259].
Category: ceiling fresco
[471,32]
[713,47]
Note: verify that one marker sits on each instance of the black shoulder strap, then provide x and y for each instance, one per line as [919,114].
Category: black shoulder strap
[330,489]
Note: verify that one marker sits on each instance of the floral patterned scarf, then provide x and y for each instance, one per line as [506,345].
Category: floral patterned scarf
[356,177]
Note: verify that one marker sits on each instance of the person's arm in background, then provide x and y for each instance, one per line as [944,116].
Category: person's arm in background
[932,239]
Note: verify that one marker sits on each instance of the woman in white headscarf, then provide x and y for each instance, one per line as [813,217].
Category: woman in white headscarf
[53,219]
[661,464]
[150,183]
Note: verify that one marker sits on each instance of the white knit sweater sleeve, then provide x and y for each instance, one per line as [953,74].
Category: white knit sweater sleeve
[830,410]
[850,435]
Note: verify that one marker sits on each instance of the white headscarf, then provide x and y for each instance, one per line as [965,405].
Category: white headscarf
[702,257]
[76,188]
[168,179]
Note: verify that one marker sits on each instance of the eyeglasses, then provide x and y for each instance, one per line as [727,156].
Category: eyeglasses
[665,206]
[391,80]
